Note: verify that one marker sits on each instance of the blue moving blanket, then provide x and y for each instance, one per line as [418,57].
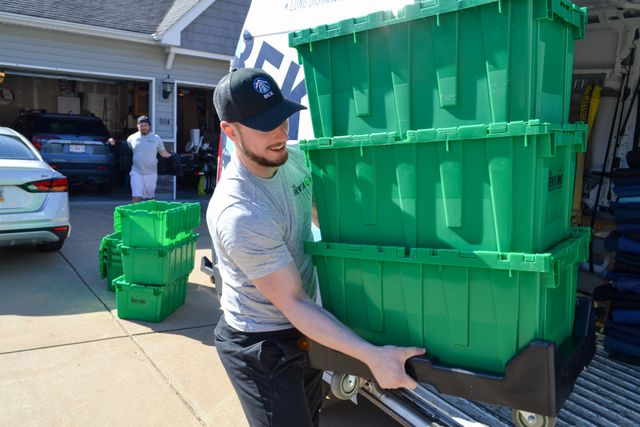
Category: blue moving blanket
[628,317]
[621,347]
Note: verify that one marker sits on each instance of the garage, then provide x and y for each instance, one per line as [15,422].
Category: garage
[114,102]
[122,63]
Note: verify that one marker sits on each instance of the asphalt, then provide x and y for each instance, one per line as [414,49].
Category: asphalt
[66,359]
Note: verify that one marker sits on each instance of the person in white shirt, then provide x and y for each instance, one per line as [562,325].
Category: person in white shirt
[145,147]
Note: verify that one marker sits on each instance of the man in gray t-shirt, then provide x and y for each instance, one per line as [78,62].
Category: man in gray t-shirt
[259,217]
[260,226]
[145,147]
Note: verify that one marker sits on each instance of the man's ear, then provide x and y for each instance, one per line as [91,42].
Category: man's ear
[228,130]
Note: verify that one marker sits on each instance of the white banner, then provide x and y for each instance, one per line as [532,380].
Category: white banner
[264,42]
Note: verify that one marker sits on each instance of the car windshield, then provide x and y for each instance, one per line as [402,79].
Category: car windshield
[12,147]
[71,126]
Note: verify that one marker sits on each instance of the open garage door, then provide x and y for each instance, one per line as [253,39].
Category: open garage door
[27,96]
[115,101]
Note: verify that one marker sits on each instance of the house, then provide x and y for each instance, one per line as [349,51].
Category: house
[119,59]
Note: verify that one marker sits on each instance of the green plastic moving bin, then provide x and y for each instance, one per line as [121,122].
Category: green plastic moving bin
[153,224]
[150,303]
[159,266]
[441,63]
[474,310]
[502,187]
[110,259]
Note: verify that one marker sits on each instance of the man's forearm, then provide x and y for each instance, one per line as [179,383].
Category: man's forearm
[283,289]
[319,325]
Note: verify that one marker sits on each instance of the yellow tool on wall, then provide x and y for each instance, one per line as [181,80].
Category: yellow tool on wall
[594,104]
[588,112]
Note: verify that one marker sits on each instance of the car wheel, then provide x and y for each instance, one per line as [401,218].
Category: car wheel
[51,246]
[106,188]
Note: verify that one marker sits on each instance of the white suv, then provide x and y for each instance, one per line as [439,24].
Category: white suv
[34,198]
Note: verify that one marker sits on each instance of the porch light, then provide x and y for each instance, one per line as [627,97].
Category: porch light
[167,87]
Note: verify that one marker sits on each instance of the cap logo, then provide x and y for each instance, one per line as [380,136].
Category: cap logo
[262,86]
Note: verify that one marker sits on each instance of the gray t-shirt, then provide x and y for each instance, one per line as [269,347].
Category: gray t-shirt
[145,149]
[258,227]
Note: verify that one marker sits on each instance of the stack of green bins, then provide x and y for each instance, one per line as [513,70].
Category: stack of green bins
[158,253]
[443,172]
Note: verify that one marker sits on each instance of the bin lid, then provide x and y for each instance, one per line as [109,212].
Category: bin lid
[563,9]
[565,134]
[572,250]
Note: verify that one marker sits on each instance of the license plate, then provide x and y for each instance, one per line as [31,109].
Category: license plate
[75,148]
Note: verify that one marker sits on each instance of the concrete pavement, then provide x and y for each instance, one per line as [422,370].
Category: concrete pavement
[67,359]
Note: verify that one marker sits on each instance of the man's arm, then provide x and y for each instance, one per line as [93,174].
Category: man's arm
[284,289]
[162,150]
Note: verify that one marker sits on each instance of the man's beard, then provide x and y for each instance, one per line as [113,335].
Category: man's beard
[262,161]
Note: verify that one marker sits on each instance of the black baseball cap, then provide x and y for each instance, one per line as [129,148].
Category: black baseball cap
[252,97]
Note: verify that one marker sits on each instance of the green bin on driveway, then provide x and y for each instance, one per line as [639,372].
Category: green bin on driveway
[159,266]
[150,303]
[473,310]
[154,223]
[504,187]
[441,63]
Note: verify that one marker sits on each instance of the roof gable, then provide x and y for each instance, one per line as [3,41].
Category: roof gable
[179,9]
[137,16]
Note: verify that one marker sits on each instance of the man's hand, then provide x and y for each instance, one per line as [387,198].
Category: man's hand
[111,142]
[387,365]
[284,290]
[166,154]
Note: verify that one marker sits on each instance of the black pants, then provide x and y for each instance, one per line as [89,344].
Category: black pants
[271,376]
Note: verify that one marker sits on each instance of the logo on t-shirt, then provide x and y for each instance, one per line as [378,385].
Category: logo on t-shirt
[306,183]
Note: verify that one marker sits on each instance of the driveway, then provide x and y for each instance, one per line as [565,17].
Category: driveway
[67,359]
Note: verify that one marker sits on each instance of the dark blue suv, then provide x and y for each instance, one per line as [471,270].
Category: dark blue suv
[74,145]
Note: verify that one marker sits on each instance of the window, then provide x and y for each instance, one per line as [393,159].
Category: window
[70,126]
[12,147]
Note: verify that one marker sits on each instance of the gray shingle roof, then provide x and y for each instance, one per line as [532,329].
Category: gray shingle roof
[139,16]
[176,11]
